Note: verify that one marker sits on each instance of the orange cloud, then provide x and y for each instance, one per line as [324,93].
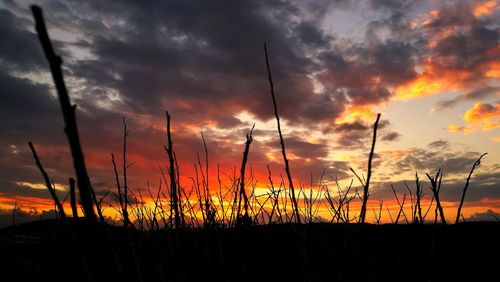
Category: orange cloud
[482,115]
[456,128]
[431,81]
[485,114]
[355,112]
[493,70]
[433,14]
[42,186]
[7,202]
[485,8]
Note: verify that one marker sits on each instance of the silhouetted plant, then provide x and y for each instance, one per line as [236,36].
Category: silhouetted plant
[174,194]
[436,187]
[243,219]
[48,183]
[477,163]
[366,184]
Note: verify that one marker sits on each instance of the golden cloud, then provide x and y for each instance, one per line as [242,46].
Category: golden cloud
[355,113]
[432,81]
[485,8]
[483,116]
[41,186]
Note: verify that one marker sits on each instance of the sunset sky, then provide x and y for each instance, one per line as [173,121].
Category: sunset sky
[431,68]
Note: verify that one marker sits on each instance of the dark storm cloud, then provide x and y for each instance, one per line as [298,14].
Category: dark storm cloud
[339,170]
[309,34]
[26,107]
[431,159]
[481,187]
[475,95]
[13,189]
[454,14]
[387,57]
[489,215]
[354,126]
[439,144]
[352,140]
[20,49]
[222,68]
[371,70]
[145,47]
[391,136]
[323,107]
[140,51]
[392,4]
[302,149]
[358,134]
[468,49]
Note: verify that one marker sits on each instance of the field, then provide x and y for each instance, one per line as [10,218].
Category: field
[68,250]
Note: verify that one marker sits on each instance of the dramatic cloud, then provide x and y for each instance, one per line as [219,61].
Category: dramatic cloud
[462,51]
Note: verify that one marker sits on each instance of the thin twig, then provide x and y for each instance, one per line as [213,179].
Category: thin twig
[49,185]
[283,151]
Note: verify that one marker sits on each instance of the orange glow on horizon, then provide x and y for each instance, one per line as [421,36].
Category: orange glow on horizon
[390,207]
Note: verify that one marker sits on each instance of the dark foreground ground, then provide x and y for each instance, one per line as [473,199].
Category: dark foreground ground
[68,251]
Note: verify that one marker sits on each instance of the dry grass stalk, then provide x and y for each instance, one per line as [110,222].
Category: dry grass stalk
[125,166]
[283,151]
[173,183]
[401,206]
[418,197]
[369,173]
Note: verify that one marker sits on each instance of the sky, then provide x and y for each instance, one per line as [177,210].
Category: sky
[431,68]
